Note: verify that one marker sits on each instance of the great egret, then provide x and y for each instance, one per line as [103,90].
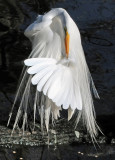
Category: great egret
[60,72]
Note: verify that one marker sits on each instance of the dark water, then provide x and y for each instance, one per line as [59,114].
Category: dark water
[96,21]
[65,152]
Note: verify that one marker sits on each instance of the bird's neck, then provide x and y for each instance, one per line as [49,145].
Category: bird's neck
[60,12]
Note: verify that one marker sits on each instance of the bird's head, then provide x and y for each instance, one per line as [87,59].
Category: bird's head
[67,40]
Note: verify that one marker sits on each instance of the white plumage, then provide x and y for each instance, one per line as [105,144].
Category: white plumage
[56,81]
[58,68]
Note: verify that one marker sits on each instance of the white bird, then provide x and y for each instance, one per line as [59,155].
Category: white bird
[58,67]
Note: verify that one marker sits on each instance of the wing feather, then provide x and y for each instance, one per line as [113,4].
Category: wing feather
[36,78]
[34,61]
[45,79]
[56,86]
[49,82]
[63,95]
[57,81]
[76,100]
[40,65]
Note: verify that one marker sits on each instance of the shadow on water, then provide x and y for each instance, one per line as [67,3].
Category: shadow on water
[95,20]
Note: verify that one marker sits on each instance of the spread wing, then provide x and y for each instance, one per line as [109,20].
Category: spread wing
[56,80]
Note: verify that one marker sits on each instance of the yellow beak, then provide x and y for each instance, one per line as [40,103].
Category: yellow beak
[67,39]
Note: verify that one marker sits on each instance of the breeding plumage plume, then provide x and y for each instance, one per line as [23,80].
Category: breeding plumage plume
[57,76]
